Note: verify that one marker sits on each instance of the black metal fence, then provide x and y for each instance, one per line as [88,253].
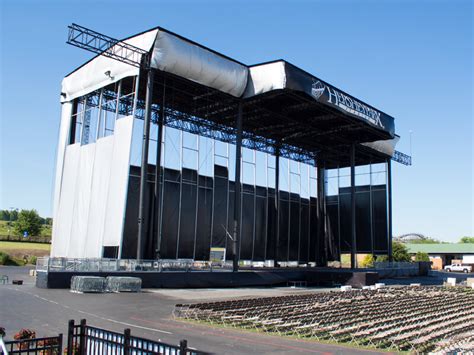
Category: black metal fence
[43,346]
[83,339]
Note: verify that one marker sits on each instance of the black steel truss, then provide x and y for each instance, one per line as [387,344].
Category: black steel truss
[210,129]
[401,158]
[96,42]
[107,46]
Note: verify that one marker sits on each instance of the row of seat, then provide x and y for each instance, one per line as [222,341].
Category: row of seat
[406,318]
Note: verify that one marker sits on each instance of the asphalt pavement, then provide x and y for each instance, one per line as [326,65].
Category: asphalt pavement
[147,314]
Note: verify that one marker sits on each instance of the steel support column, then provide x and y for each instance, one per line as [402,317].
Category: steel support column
[159,144]
[371,204]
[322,243]
[277,203]
[237,200]
[353,211]
[144,167]
[389,209]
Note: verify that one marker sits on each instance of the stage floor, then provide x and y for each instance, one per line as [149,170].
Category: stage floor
[218,279]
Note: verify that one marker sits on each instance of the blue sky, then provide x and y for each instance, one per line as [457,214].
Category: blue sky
[410,59]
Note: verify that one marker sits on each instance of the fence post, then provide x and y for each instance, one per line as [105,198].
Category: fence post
[60,343]
[183,346]
[70,336]
[126,342]
[82,338]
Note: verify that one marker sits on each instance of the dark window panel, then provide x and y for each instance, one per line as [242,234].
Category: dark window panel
[294,231]
[283,242]
[304,233]
[246,240]
[203,236]
[260,229]
[379,199]
[220,212]
[169,231]
[187,222]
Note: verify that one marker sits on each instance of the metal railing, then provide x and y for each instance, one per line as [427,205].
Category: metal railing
[396,265]
[44,346]
[85,339]
[56,264]
[47,264]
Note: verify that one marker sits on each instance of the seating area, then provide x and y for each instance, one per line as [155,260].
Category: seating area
[420,319]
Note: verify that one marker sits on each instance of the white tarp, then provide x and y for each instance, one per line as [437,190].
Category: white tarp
[64,130]
[171,54]
[81,200]
[178,56]
[62,220]
[92,195]
[118,182]
[264,78]
[99,194]
[385,146]
[91,76]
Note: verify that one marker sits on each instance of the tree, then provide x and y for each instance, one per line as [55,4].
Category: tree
[14,215]
[28,221]
[466,240]
[368,261]
[400,252]
[4,215]
[421,256]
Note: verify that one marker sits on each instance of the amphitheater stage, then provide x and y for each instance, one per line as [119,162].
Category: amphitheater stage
[218,279]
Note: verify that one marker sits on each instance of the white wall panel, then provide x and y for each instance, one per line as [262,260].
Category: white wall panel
[80,217]
[118,183]
[64,129]
[66,201]
[94,184]
[98,200]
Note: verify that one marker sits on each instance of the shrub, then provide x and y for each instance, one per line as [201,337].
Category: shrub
[382,258]
[368,261]
[28,221]
[400,252]
[32,260]
[4,258]
[25,334]
[420,256]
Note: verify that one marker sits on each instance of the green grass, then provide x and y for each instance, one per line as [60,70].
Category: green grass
[8,246]
[20,253]
[4,230]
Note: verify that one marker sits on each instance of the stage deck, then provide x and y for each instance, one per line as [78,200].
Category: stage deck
[218,279]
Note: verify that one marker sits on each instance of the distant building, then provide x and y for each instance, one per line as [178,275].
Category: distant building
[445,254]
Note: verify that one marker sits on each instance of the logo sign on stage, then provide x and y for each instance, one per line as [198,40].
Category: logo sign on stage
[346,103]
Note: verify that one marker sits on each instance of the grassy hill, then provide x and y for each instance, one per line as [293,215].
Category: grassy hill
[45,231]
[19,252]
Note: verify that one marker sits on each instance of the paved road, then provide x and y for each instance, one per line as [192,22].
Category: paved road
[148,314]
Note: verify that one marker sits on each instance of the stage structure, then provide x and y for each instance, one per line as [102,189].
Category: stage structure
[256,164]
